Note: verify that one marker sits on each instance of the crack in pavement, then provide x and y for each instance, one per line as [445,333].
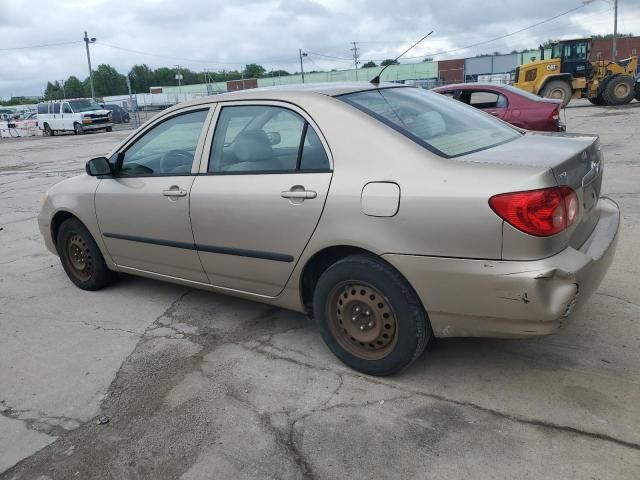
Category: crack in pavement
[622,299]
[497,413]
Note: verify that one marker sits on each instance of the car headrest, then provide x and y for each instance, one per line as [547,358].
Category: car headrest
[252,146]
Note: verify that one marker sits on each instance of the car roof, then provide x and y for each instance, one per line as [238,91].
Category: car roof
[498,86]
[331,89]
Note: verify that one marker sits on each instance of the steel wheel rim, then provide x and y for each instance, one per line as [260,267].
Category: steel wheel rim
[557,93]
[79,258]
[362,321]
[622,90]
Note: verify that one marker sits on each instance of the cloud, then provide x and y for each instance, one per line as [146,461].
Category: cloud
[218,34]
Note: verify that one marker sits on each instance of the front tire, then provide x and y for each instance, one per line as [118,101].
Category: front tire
[619,90]
[599,101]
[77,128]
[559,90]
[81,258]
[369,316]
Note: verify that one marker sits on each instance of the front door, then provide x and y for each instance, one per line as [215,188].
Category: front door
[143,212]
[261,198]
[66,116]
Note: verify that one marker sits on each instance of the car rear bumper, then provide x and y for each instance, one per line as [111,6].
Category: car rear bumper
[490,298]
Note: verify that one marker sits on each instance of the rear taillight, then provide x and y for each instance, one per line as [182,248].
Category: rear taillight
[541,212]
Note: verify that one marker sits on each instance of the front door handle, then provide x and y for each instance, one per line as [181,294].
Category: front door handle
[299,194]
[174,191]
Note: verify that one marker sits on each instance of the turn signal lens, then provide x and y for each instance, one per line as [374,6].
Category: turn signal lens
[541,213]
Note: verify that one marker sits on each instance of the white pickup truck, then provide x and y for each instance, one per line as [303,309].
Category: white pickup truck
[77,115]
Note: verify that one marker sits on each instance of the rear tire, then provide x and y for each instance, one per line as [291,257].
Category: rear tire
[559,90]
[77,129]
[81,258]
[619,90]
[638,91]
[391,328]
[47,130]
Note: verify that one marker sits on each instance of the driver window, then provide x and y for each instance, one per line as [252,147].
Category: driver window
[166,149]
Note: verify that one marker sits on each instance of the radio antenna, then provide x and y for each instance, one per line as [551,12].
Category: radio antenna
[376,79]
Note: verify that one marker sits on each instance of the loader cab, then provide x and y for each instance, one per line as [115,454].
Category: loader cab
[574,57]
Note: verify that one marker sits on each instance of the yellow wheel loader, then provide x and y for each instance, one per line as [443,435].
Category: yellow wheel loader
[569,73]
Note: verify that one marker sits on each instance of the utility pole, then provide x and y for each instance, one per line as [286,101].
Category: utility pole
[614,47]
[87,41]
[355,57]
[179,78]
[302,54]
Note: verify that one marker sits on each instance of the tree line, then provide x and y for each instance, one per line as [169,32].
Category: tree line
[108,81]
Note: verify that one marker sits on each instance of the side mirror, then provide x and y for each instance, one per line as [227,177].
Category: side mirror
[98,166]
[274,138]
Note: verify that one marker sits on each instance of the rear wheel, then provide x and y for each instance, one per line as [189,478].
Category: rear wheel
[369,316]
[77,128]
[81,258]
[638,91]
[559,90]
[47,130]
[619,90]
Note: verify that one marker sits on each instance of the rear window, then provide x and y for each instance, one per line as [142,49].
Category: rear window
[439,124]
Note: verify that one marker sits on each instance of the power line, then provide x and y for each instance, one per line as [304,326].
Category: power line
[484,42]
[45,45]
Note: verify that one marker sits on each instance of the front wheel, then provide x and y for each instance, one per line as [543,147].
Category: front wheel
[369,316]
[599,101]
[77,128]
[619,90]
[109,129]
[81,258]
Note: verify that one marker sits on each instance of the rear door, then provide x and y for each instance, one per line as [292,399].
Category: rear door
[260,195]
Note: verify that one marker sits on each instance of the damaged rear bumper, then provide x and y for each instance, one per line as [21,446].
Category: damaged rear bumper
[490,298]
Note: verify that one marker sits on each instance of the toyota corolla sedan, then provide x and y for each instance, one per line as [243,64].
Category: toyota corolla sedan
[387,213]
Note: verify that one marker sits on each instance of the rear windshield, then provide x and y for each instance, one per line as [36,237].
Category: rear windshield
[523,93]
[84,105]
[444,126]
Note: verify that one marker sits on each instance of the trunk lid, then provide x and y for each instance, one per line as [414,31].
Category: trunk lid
[575,160]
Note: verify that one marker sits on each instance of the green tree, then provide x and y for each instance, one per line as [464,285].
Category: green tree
[73,88]
[389,61]
[53,91]
[142,77]
[369,64]
[164,77]
[107,81]
[253,70]
[279,73]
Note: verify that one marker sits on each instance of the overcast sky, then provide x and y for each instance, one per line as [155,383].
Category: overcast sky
[227,34]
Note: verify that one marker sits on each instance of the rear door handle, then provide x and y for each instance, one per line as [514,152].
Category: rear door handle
[174,192]
[299,194]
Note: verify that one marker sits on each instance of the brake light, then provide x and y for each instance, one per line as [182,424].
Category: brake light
[541,213]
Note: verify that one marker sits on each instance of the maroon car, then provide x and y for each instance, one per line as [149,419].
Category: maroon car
[519,108]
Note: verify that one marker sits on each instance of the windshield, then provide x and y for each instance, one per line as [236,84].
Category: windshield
[443,126]
[84,105]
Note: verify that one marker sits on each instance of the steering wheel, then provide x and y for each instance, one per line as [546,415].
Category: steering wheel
[174,159]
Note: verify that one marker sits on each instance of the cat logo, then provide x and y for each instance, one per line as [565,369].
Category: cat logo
[552,66]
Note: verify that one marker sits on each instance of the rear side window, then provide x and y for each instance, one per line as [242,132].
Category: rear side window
[446,128]
[43,109]
[56,108]
[264,139]
[488,100]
